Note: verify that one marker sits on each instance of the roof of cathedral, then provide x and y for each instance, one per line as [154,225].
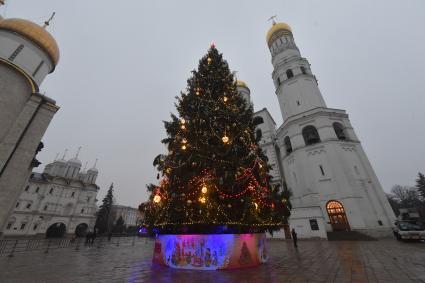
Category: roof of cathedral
[75,161]
[275,28]
[241,84]
[35,33]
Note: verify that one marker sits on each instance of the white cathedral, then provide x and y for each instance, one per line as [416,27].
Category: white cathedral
[316,152]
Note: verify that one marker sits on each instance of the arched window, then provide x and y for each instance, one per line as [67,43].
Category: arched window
[289,73]
[288,145]
[339,131]
[303,70]
[258,120]
[258,134]
[310,135]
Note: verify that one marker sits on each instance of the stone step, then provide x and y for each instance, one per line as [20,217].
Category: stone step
[349,236]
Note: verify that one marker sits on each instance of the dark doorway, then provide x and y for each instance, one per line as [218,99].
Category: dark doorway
[81,230]
[56,230]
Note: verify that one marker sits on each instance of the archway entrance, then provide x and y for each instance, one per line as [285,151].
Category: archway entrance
[56,230]
[81,230]
[337,216]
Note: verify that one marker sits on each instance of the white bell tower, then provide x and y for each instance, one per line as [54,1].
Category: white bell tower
[334,185]
[296,86]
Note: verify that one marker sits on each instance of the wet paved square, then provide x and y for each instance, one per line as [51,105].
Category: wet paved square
[314,261]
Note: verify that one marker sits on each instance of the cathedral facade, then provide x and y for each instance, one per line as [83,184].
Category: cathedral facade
[316,152]
[60,201]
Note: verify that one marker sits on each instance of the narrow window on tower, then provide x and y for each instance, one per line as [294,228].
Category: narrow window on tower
[321,170]
[28,206]
[16,52]
[36,190]
[298,103]
[303,70]
[51,191]
[289,73]
[288,146]
[38,68]
[356,170]
[27,188]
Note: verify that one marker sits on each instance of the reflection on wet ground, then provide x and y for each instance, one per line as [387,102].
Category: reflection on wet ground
[314,261]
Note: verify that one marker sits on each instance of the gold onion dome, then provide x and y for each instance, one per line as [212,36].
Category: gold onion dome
[241,84]
[35,33]
[275,28]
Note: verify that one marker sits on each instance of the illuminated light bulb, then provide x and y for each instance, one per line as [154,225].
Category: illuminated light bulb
[204,190]
[225,139]
[256,205]
[261,166]
[183,147]
[197,92]
[183,127]
[202,199]
[225,98]
[209,60]
[184,140]
[157,198]
[182,121]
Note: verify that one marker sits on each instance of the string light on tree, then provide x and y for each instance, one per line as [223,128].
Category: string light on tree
[156,198]
[225,139]
[202,199]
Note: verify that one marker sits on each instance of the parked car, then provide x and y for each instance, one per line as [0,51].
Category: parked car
[409,230]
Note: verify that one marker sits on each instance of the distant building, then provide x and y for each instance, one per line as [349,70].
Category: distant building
[28,54]
[129,214]
[59,201]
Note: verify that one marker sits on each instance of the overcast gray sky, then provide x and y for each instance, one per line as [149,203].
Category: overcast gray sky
[122,63]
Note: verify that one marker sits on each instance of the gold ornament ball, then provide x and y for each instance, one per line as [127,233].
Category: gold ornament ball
[183,127]
[225,98]
[202,200]
[225,139]
[209,60]
[204,190]
[182,121]
[189,201]
[157,198]
[184,140]
[183,147]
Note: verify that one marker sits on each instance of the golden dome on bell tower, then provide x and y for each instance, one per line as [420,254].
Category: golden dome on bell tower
[35,33]
[276,27]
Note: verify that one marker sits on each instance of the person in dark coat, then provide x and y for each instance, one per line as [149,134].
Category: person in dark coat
[294,237]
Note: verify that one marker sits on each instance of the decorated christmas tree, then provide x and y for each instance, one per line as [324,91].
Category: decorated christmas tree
[214,178]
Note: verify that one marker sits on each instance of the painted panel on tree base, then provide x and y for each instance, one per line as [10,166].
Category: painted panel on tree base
[211,251]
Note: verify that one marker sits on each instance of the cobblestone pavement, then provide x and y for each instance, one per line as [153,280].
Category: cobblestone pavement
[314,261]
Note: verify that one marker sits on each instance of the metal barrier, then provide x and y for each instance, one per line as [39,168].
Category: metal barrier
[9,247]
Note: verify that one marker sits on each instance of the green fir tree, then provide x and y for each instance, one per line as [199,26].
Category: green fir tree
[214,178]
[104,218]
[420,184]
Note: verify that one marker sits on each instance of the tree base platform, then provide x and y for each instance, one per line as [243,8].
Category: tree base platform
[211,251]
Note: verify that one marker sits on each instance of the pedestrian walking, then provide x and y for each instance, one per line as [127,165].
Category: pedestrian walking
[294,237]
